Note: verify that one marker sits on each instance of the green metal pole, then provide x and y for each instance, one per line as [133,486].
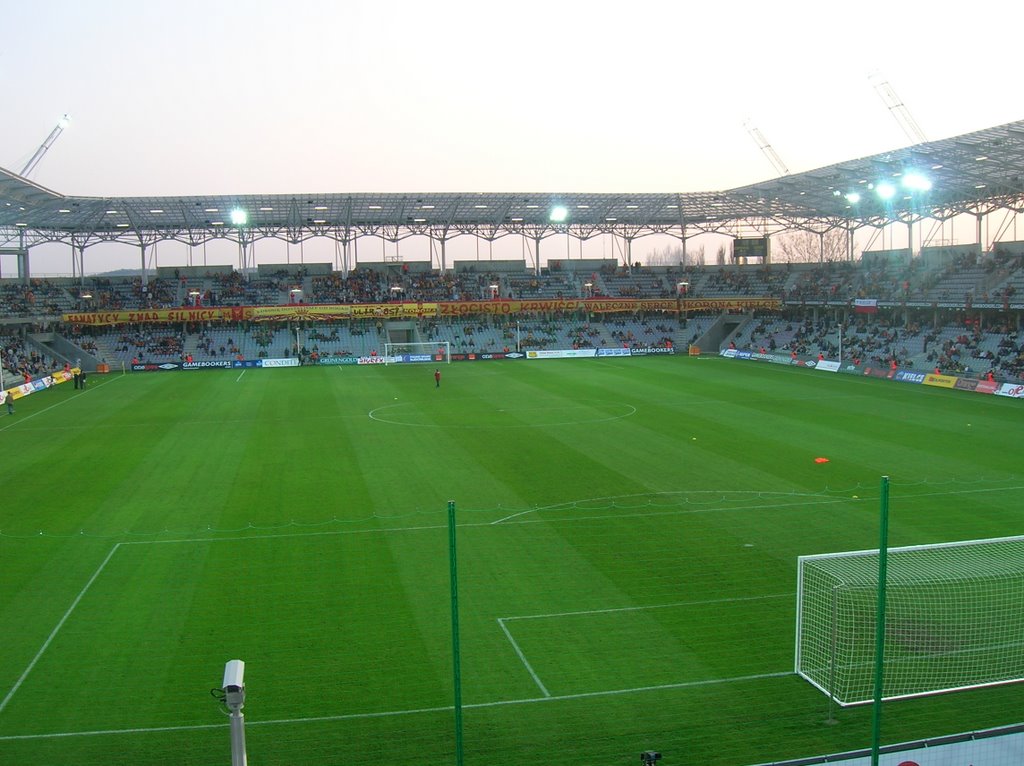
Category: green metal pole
[883,564]
[456,655]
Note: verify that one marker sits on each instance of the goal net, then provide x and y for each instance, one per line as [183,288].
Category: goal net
[400,353]
[954,619]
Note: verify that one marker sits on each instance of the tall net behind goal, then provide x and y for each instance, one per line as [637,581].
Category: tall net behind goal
[954,619]
[438,352]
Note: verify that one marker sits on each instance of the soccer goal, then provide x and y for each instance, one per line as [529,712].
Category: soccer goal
[400,353]
[954,619]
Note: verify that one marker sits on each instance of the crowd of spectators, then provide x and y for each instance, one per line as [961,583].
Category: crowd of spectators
[17,358]
[151,343]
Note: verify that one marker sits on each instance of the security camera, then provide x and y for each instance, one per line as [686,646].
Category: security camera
[234,683]
[234,676]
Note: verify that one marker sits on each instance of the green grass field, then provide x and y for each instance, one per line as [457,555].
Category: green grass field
[627,531]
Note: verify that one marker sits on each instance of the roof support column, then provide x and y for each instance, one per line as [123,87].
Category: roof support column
[910,237]
[20,254]
[78,262]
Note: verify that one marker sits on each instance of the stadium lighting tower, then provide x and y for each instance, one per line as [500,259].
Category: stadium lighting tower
[897,108]
[62,123]
[766,148]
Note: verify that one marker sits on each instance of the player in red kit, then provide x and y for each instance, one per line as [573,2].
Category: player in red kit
[437,378]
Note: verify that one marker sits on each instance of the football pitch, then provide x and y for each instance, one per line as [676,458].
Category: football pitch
[627,535]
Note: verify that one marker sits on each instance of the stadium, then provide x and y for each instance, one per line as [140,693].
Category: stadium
[402,501]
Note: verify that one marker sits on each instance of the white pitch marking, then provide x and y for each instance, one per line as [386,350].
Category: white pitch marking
[60,625]
[735,599]
[522,658]
[58,404]
[693,510]
[415,711]
[240,376]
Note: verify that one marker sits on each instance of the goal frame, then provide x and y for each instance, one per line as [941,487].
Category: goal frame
[431,348]
[875,552]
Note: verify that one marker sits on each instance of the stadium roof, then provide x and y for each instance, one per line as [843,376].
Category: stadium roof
[975,173]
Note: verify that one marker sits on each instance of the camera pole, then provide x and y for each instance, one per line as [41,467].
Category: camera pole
[238,757]
[234,700]
[456,655]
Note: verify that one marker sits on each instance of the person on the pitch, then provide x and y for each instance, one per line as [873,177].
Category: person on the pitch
[437,378]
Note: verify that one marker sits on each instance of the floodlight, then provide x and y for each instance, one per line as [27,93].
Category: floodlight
[64,121]
[853,198]
[239,217]
[885,190]
[558,214]
[916,182]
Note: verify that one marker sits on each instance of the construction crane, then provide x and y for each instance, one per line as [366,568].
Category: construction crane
[766,148]
[897,108]
[45,146]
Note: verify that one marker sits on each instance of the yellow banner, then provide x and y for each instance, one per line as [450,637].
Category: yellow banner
[411,309]
[942,381]
[727,304]
[225,314]
[591,305]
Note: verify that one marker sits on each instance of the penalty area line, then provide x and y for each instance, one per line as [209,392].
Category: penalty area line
[413,711]
[56,630]
[522,658]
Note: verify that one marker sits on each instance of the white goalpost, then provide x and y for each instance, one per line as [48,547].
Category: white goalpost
[954,619]
[438,352]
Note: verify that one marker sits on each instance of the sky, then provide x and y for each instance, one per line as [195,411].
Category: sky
[208,97]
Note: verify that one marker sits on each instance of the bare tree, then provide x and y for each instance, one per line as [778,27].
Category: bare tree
[673,255]
[809,247]
[722,255]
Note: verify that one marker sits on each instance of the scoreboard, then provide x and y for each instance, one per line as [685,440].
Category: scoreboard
[750,247]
